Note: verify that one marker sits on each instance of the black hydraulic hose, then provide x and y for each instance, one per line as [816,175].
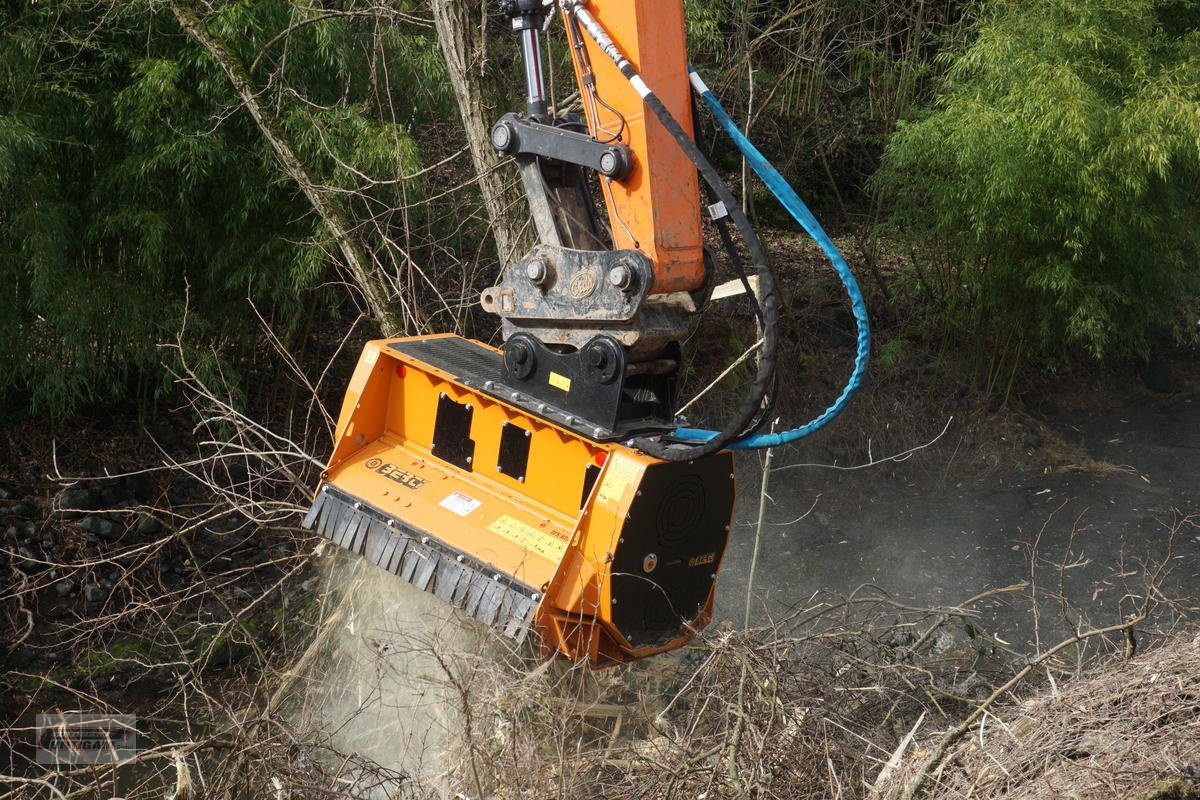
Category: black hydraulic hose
[721,222]
[764,379]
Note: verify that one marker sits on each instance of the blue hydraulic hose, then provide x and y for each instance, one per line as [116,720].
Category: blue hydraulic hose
[791,201]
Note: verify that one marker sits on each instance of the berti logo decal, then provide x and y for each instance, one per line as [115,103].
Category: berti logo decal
[400,476]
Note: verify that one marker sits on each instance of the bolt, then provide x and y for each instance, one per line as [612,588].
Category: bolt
[621,277]
[489,385]
[502,136]
[598,432]
[469,459]
[609,162]
[538,271]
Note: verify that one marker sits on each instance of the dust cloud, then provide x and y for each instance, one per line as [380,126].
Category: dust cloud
[379,677]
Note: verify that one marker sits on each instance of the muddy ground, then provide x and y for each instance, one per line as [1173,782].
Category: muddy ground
[1097,488]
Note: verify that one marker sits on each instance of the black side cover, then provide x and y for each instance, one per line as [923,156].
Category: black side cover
[670,548]
[452,440]
[513,460]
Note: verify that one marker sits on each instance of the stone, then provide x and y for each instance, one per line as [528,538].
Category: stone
[943,641]
[23,510]
[101,527]
[898,637]
[147,526]
[7,492]
[22,657]
[115,496]
[64,587]
[76,499]
[140,486]
[94,593]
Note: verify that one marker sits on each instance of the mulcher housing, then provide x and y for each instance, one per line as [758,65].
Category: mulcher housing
[517,517]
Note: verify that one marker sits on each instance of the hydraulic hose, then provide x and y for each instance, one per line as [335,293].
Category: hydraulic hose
[800,212]
[712,441]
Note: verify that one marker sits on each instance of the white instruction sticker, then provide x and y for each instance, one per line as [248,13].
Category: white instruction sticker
[460,503]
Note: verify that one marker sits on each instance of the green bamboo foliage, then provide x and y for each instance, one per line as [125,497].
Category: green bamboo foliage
[829,79]
[1058,171]
[135,187]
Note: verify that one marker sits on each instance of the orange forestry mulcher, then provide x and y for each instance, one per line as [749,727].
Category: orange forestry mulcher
[514,518]
[548,486]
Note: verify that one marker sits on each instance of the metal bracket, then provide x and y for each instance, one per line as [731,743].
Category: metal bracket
[562,285]
[595,384]
[513,135]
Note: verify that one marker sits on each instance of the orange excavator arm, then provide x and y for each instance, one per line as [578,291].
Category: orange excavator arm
[656,207]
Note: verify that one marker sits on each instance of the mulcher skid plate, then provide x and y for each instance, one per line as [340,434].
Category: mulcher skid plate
[516,516]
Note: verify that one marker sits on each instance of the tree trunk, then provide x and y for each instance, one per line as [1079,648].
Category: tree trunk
[373,289]
[461,36]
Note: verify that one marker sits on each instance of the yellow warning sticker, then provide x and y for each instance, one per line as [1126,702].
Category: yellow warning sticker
[560,381]
[619,476]
[544,543]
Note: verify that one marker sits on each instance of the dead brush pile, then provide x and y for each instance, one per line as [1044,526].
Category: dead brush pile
[811,707]
[1124,729]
